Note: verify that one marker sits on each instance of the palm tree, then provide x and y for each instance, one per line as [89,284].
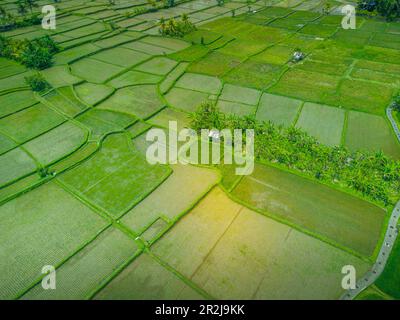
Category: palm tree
[24,4]
[21,7]
[31,4]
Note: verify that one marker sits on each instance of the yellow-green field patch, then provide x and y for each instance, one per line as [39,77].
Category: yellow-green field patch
[42,227]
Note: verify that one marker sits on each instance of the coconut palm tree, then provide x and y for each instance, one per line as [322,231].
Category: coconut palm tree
[31,4]
[22,7]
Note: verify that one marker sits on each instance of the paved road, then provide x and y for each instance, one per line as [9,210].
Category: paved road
[393,122]
[390,237]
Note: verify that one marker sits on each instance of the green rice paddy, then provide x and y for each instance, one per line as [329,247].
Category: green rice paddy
[76,191]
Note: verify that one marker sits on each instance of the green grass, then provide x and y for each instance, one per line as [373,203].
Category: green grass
[6,144]
[352,38]
[319,30]
[15,164]
[147,48]
[197,35]
[386,40]
[234,246]
[42,227]
[324,68]
[242,48]
[121,57]
[14,82]
[192,53]
[102,122]
[389,280]
[170,79]
[159,66]
[365,96]
[29,123]
[253,74]
[371,293]
[59,76]
[236,108]
[278,55]
[384,78]
[183,187]
[131,78]
[166,115]
[379,66]
[370,132]
[128,81]
[280,110]
[184,99]
[165,42]
[88,269]
[323,122]
[288,23]
[118,39]
[9,68]
[16,101]
[377,54]
[240,94]
[145,278]
[94,70]
[153,232]
[65,101]
[74,53]
[117,177]
[56,143]
[198,82]
[308,86]
[91,93]
[141,101]
[215,64]
[332,214]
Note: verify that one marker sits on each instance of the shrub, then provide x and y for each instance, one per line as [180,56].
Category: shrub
[48,43]
[207,116]
[176,28]
[37,82]
[36,54]
[44,172]
[36,57]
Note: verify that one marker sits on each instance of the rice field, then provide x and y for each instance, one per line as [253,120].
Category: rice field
[77,192]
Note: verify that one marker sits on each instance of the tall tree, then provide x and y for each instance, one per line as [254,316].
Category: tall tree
[22,8]
[31,4]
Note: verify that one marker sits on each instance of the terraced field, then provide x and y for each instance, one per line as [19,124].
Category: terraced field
[117,227]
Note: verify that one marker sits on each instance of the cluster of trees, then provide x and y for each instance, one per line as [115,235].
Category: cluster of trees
[37,82]
[390,9]
[35,54]
[26,17]
[176,28]
[374,175]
